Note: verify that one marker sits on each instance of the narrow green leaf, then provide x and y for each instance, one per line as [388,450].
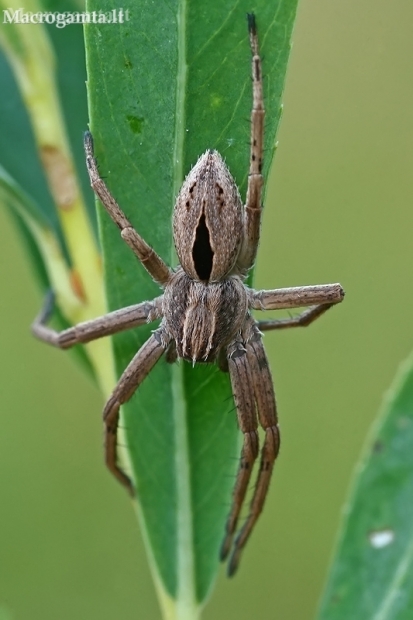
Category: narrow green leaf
[372,573]
[17,145]
[43,247]
[163,87]
[46,253]
[77,281]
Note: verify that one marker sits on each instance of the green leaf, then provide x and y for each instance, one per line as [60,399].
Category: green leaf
[43,247]
[76,277]
[17,147]
[372,573]
[31,222]
[19,155]
[163,87]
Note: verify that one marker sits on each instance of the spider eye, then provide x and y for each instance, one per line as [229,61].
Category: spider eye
[202,253]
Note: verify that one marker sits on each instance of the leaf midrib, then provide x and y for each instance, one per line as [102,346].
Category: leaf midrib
[187,606]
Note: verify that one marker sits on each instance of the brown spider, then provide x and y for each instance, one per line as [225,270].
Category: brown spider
[205,307]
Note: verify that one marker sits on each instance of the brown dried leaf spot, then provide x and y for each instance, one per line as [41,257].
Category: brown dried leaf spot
[77,285]
[60,175]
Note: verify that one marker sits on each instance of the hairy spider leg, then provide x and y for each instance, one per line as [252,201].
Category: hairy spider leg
[153,263]
[111,323]
[267,414]
[253,208]
[243,391]
[131,378]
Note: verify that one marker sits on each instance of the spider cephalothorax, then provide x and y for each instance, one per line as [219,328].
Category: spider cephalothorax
[206,308]
[202,319]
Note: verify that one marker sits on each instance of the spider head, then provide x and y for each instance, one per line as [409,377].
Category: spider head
[207,220]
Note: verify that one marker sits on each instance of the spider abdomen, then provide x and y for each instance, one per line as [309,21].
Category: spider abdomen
[203,318]
[207,221]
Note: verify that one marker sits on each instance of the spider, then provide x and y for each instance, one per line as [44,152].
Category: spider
[206,307]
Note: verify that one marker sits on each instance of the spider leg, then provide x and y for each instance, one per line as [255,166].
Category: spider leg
[111,323]
[140,366]
[152,262]
[252,212]
[302,320]
[243,390]
[296,297]
[267,412]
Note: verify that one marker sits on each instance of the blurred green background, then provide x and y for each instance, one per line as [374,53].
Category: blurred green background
[339,208]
